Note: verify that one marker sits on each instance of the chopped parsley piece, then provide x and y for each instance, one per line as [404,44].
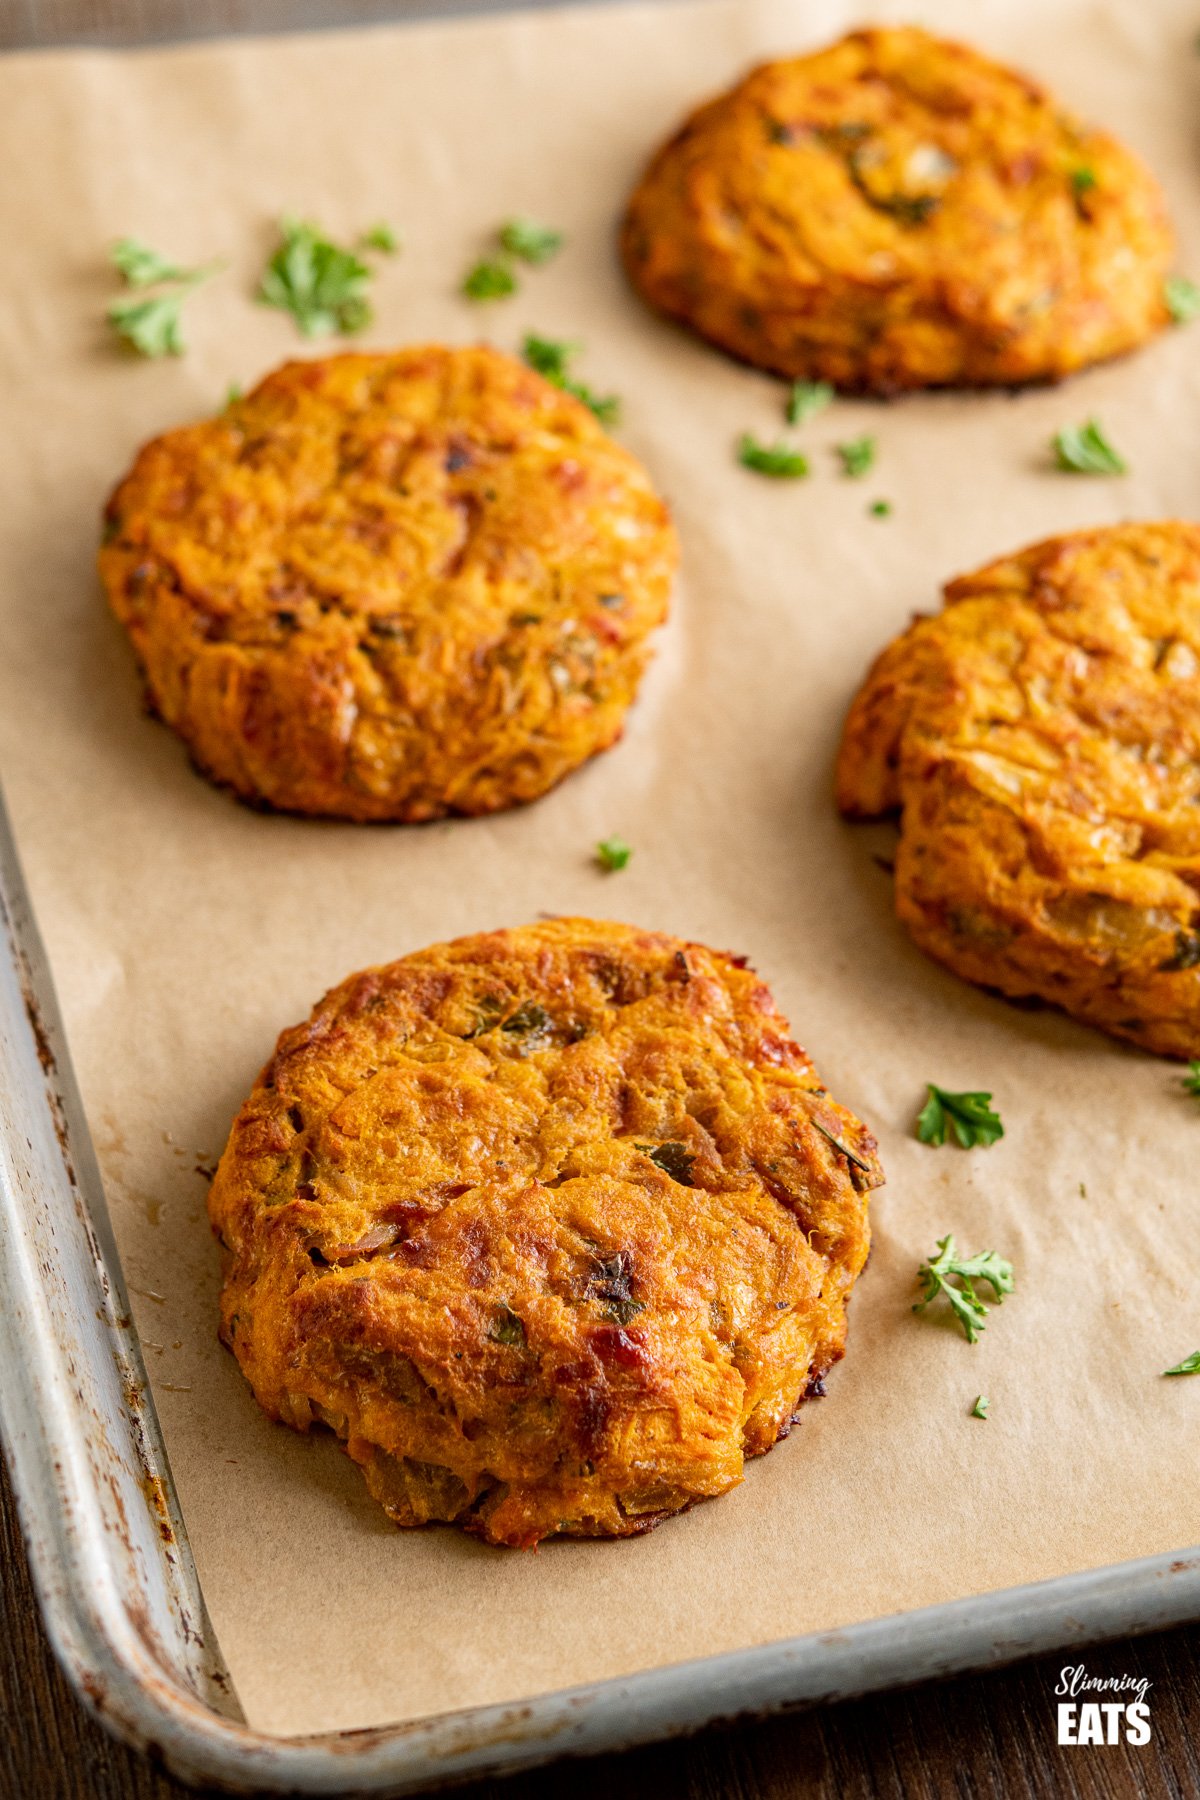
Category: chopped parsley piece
[673,1159]
[551,357]
[1083,180]
[969,1116]
[612,854]
[489,280]
[152,325]
[530,242]
[380,237]
[529,1020]
[1084,450]
[507,1328]
[880,509]
[807,399]
[612,1286]
[779,461]
[980,1408]
[938,1273]
[1189,1366]
[1191,1080]
[1182,298]
[857,456]
[233,393]
[323,286]
[140,266]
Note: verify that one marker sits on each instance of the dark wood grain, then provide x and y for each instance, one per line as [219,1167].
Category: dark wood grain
[986,1736]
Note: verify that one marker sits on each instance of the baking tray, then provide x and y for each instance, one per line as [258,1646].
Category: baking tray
[109,1550]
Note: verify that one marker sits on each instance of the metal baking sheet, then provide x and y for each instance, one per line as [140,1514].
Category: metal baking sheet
[109,1548]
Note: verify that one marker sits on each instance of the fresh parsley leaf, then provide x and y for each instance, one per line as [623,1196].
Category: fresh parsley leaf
[1189,1366]
[857,456]
[980,1408]
[530,242]
[1084,450]
[946,1267]
[380,237]
[807,399]
[489,280]
[673,1159]
[1191,1080]
[152,327]
[613,853]
[1083,180]
[1182,298]
[880,509]
[233,393]
[969,1116]
[140,266]
[323,286]
[551,357]
[779,461]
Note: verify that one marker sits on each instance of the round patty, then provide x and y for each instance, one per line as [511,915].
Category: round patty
[552,1226]
[1040,739]
[900,212]
[393,586]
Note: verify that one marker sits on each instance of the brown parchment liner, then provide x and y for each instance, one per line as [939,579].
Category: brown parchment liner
[185,931]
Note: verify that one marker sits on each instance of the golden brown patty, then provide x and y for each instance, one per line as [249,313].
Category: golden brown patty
[553,1226]
[899,212]
[391,587]
[1041,740]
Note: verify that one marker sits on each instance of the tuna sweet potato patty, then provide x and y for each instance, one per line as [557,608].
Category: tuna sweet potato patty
[391,586]
[553,1226]
[1040,740]
[897,211]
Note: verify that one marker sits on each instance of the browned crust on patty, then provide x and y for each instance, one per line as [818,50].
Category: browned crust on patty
[1040,740]
[391,586]
[553,1226]
[898,211]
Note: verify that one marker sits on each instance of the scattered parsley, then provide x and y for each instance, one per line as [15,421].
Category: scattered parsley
[1189,1366]
[880,509]
[778,461]
[1084,450]
[489,281]
[1083,180]
[1182,298]
[968,1308]
[152,327]
[233,393]
[1191,1080]
[980,1408]
[807,399]
[323,286]
[380,237]
[152,324]
[551,357]
[857,456]
[530,242]
[969,1116]
[612,854]
[140,266]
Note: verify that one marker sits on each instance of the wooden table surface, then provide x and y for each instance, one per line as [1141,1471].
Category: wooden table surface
[986,1735]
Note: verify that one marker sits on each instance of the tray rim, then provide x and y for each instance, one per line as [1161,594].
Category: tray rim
[120,1599]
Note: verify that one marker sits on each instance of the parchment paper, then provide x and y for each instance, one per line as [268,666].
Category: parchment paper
[185,931]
